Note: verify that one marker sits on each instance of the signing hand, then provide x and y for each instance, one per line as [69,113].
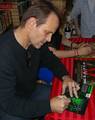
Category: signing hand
[59,103]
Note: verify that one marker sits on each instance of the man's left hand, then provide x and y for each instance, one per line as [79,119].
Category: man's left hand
[71,85]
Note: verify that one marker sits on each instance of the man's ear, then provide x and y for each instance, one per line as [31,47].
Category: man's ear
[31,23]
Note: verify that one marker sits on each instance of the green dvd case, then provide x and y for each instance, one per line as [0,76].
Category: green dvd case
[84,74]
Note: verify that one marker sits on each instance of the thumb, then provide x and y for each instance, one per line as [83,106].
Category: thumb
[51,49]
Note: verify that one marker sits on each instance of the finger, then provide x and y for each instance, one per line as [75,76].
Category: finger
[66,101]
[75,89]
[64,97]
[51,49]
[71,90]
[65,107]
[60,96]
[63,89]
[81,44]
[77,86]
[75,92]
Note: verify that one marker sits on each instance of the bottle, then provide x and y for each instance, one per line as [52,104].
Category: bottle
[67,31]
[73,31]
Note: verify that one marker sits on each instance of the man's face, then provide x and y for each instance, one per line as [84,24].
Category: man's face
[42,33]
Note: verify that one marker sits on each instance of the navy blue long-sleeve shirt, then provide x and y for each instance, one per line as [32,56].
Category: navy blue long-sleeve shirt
[18,80]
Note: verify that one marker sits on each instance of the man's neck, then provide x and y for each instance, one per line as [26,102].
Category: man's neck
[21,37]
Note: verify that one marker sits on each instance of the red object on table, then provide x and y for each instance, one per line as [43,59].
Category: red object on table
[79,40]
[57,88]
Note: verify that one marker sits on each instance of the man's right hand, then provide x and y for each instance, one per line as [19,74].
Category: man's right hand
[59,104]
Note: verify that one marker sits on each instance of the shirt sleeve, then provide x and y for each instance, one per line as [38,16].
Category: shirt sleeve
[52,62]
[76,11]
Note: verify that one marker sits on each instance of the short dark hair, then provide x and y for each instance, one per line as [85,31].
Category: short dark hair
[40,9]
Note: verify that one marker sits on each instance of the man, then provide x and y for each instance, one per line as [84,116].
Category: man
[85,9]
[21,98]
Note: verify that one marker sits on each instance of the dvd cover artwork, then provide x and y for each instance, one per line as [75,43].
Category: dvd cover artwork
[84,74]
[84,71]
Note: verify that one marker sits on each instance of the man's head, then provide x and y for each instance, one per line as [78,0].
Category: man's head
[40,21]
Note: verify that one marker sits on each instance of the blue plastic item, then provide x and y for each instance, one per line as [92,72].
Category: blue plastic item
[45,74]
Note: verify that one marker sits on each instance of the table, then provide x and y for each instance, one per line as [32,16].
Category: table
[57,88]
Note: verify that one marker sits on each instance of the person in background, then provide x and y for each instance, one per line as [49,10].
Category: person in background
[85,49]
[61,5]
[84,18]
[58,37]
[22,50]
